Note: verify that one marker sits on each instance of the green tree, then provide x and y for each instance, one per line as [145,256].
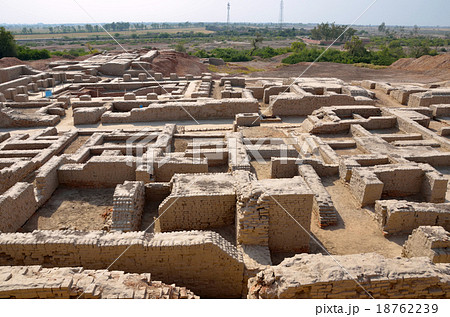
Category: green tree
[382,28]
[180,48]
[8,46]
[328,32]
[356,47]
[298,46]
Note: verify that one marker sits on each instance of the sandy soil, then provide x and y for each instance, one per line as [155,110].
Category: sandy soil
[262,170]
[357,231]
[75,145]
[179,145]
[180,63]
[73,208]
[262,132]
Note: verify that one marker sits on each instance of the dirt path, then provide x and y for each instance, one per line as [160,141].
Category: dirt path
[357,232]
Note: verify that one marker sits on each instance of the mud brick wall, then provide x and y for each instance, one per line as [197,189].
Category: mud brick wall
[432,242]
[17,205]
[88,115]
[274,90]
[196,212]
[99,171]
[252,215]
[407,125]
[400,216]
[157,191]
[323,205]
[225,108]
[237,153]
[402,95]
[284,167]
[303,276]
[426,99]
[306,103]
[164,171]
[129,199]
[201,261]
[370,183]
[46,181]
[13,171]
[285,234]
[27,282]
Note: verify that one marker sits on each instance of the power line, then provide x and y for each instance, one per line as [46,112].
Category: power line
[281,20]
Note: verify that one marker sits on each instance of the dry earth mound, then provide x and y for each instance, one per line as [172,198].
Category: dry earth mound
[181,63]
[424,63]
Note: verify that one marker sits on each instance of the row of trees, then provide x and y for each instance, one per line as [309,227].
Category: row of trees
[114,26]
[331,32]
[9,48]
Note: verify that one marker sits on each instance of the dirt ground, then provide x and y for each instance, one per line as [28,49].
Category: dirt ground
[179,145]
[273,68]
[180,63]
[75,145]
[262,132]
[262,170]
[356,232]
[73,208]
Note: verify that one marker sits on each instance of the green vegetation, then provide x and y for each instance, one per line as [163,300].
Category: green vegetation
[332,32]
[7,44]
[9,48]
[235,55]
[26,54]
[355,52]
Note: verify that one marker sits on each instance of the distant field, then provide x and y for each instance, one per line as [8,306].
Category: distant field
[103,33]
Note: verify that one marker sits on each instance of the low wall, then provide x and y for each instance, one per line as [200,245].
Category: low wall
[225,108]
[284,167]
[47,179]
[202,261]
[304,105]
[14,172]
[396,216]
[29,282]
[323,205]
[319,276]
[432,242]
[99,171]
[17,205]
[195,212]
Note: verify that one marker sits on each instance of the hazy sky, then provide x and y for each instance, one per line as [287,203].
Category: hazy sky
[393,12]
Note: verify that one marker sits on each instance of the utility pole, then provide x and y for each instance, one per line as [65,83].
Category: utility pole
[228,13]
[281,20]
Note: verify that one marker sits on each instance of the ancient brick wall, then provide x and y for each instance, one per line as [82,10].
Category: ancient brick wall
[318,276]
[17,205]
[400,216]
[202,261]
[196,212]
[27,282]
[432,242]
[285,234]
